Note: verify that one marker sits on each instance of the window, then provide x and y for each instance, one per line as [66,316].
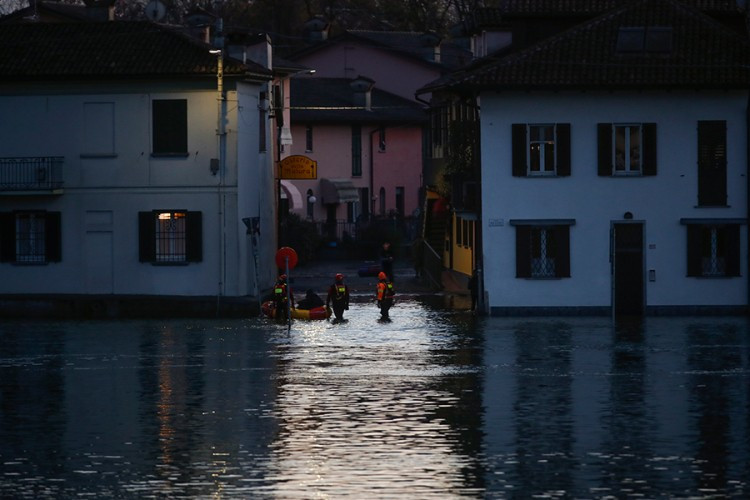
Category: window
[32,237]
[381,197]
[639,39]
[459,232]
[356,150]
[170,237]
[352,211]
[262,124]
[400,207]
[713,248]
[712,163]
[381,139]
[627,149]
[364,202]
[170,127]
[541,149]
[542,249]
[308,139]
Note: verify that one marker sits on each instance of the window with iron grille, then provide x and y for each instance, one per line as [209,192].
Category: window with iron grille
[30,237]
[170,236]
[542,249]
[713,249]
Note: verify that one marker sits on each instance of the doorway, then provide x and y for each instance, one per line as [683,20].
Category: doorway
[627,269]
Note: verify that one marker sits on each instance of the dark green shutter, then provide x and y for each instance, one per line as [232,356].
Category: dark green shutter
[194,237]
[649,149]
[712,163]
[53,237]
[732,241]
[146,237]
[519,149]
[694,250]
[7,237]
[562,251]
[170,126]
[523,251]
[604,142]
[562,144]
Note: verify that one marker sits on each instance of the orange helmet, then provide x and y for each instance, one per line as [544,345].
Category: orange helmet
[339,277]
[382,276]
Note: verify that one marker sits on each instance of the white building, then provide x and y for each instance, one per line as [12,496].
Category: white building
[128,162]
[615,166]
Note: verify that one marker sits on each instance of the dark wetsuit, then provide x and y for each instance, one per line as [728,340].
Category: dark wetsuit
[338,296]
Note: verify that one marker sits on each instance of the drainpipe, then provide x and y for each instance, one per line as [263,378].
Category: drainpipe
[747,192]
[221,146]
[479,251]
[372,171]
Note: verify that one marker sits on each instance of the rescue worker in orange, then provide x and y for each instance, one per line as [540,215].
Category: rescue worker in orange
[385,294]
[280,291]
[338,295]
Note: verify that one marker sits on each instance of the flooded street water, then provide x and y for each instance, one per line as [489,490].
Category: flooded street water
[435,404]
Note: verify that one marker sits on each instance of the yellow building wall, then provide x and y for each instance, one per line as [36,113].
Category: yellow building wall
[463,244]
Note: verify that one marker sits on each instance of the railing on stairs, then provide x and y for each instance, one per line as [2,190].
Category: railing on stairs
[431,268]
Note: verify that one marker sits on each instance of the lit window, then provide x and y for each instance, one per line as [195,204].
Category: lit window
[170,237]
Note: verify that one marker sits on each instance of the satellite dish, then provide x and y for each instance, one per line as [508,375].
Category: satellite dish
[155,10]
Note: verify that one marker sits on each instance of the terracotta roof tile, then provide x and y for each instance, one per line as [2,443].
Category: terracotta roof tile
[705,54]
[115,49]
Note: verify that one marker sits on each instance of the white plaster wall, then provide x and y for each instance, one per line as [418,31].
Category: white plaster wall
[256,196]
[132,181]
[594,202]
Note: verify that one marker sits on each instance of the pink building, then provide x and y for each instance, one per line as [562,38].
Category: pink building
[358,117]
[368,147]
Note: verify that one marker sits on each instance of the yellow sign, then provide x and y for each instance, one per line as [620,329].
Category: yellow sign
[298,167]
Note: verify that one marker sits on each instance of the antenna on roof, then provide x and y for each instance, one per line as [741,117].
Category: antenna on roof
[155,10]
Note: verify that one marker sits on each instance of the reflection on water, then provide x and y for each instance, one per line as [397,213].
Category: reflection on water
[434,404]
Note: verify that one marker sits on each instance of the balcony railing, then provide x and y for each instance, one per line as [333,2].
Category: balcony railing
[42,173]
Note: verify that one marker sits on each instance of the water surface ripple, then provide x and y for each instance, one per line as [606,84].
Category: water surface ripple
[434,404]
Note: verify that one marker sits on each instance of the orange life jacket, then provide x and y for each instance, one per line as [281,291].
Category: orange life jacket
[385,290]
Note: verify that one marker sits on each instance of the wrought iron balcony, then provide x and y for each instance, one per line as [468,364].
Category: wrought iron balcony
[31,174]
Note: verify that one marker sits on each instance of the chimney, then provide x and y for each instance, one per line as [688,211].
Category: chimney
[362,87]
[431,41]
[100,10]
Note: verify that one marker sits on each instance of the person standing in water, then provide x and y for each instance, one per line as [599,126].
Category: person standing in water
[338,295]
[385,294]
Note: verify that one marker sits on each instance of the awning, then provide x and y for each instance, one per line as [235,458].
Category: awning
[293,195]
[338,191]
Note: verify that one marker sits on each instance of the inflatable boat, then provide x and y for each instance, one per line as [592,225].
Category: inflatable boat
[322,312]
